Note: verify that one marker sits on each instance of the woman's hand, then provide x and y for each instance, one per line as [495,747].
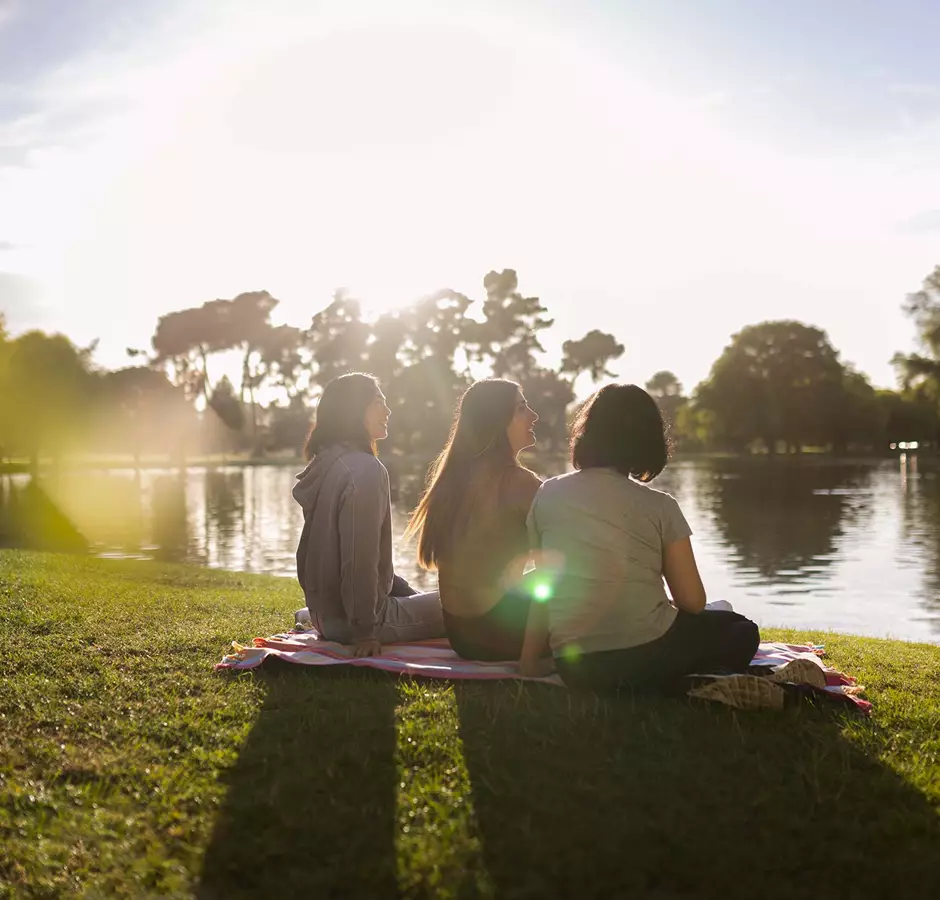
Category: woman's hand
[538,668]
[367,648]
[533,663]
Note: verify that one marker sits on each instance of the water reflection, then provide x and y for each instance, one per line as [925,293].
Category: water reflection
[29,518]
[851,548]
[783,521]
[170,539]
[920,529]
[224,519]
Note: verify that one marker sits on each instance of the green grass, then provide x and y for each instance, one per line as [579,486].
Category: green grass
[128,768]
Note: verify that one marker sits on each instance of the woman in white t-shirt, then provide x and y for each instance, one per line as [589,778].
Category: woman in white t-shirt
[607,544]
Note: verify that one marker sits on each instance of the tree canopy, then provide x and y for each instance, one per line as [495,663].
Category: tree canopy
[777,385]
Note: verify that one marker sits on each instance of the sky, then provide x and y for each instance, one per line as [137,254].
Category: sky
[668,171]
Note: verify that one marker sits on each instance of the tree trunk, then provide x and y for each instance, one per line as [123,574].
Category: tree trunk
[206,387]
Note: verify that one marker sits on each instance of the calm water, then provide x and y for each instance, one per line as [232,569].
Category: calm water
[851,547]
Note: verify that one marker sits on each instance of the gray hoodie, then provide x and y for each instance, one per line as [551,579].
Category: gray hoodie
[344,558]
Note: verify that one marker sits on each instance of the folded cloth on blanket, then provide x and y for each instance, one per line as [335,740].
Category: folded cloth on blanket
[436,659]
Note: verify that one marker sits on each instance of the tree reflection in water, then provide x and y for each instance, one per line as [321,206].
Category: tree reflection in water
[784,519]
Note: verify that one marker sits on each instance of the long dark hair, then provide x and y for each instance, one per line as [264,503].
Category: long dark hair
[620,427]
[466,474]
[341,414]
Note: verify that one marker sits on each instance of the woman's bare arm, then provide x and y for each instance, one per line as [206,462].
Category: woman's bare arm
[681,573]
[531,662]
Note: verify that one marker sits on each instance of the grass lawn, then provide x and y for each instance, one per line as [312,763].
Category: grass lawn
[128,768]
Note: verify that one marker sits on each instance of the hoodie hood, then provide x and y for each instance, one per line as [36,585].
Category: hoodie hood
[310,480]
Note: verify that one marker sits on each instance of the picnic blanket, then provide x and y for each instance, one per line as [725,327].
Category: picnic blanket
[436,659]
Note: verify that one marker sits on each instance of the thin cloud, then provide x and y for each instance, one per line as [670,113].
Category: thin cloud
[921,223]
[915,89]
[74,94]
[19,301]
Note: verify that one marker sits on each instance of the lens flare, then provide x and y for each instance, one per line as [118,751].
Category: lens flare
[542,591]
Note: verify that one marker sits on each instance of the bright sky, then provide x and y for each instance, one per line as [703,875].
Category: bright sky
[667,171]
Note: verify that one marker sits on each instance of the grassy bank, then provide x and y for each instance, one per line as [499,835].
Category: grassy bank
[129,769]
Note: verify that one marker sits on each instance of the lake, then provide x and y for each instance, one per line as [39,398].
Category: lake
[853,547]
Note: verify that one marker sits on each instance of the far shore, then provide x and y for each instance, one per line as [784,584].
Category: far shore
[554,459]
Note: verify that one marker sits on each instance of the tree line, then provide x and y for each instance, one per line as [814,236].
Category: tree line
[778,386]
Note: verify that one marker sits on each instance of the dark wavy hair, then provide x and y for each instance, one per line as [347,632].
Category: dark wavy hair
[620,427]
[341,414]
[466,474]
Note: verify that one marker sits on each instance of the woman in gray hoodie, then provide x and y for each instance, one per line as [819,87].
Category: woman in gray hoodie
[344,558]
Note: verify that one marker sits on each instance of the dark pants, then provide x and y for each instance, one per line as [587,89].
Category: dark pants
[401,588]
[712,641]
[497,635]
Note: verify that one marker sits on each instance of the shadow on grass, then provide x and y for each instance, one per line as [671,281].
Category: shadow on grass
[577,796]
[310,805]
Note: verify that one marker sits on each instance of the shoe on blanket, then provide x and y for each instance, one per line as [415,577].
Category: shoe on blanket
[302,620]
[742,692]
[799,671]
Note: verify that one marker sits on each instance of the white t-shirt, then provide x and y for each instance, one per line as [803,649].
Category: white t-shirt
[603,536]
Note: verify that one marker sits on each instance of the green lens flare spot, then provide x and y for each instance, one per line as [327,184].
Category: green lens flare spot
[571,653]
[542,592]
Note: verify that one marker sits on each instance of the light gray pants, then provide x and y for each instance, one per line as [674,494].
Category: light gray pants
[414,618]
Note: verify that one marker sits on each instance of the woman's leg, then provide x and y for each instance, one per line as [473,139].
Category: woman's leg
[401,588]
[639,668]
[413,618]
[714,641]
[710,642]
[497,635]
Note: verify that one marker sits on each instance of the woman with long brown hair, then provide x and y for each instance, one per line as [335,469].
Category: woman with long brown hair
[470,522]
[344,557]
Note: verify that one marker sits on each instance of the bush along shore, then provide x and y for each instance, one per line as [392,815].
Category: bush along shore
[129,768]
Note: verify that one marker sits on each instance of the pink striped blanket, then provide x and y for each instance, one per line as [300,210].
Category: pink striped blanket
[436,659]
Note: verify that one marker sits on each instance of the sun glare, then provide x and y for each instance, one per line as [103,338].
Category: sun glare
[409,150]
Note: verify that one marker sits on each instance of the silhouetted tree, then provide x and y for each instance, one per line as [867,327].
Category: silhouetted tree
[283,363]
[182,343]
[383,354]
[666,390]
[422,400]
[508,338]
[246,322]
[288,425]
[437,326]
[225,404]
[49,386]
[857,419]
[590,354]
[6,421]
[139,411]
[909,415]
[923,307]
[423,394]
[550,395]
[776,381]
[338,339]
